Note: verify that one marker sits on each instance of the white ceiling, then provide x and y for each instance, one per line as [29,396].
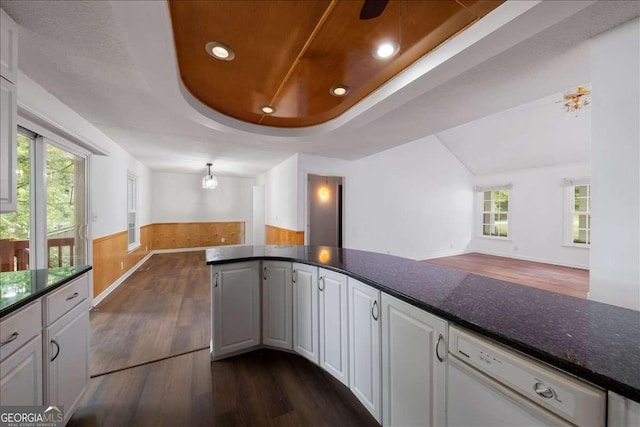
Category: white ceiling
[78,52]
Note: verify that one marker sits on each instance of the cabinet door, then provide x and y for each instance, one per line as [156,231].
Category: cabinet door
[334,325]
[67,356]
[622,412]
[364,345]
[8,48]
[236,307]
[21,375]
[305,311]
[8,135]
[413,368]
[276,304]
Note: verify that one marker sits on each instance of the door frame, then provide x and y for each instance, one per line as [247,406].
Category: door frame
[307,203]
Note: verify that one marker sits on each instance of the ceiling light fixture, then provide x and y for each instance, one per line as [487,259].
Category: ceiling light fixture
[386,50]
[268,109]
[339,90]
[220,51]
[209,181]
[577,100]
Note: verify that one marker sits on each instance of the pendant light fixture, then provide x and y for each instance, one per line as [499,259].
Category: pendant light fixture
[209,181]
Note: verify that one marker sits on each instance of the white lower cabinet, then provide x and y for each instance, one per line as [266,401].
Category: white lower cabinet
[21,375]
[622,412]
[235,296]
[365,346]
[277,307]
[413,365]
[305,311]
[334,324]
[67,358]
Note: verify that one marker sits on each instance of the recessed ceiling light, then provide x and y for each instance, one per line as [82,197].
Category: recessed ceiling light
[220,51]
[339,90]
[386,50]
[268,109]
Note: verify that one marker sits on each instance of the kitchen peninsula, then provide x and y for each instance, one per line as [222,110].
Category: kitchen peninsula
[595,342]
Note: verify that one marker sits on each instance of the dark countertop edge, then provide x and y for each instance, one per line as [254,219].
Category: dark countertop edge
[572,368]
[49,288]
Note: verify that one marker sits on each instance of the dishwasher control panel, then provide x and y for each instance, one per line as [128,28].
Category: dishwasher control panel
[574,400]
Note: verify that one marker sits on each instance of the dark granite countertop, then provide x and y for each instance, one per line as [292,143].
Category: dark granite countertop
[18,288]
[594,341]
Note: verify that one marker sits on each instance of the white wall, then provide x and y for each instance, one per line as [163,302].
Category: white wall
[615,164]
[281,194]
[108,174]
[536,216]
[179,197]
[415,200]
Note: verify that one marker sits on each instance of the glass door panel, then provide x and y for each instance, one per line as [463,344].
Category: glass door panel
[15,227]
[66,208]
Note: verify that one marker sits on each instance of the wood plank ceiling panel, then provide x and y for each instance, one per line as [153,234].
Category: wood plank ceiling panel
[289,54]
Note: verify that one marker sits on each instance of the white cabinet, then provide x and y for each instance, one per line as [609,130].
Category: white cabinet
[8,134]
[21,375]
[364,345]
[334,324]
[67,353]
[413,365]
[277,307]
[622,412]
[8,48]
[21,356]
[8,112]
[305,311]
[236,307]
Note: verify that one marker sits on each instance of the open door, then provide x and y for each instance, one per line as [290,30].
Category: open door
[325,207]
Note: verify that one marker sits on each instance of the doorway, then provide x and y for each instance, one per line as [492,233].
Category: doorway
[325,205]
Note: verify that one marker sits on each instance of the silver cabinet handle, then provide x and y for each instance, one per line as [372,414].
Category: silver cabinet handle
[264,273]
[75,295]
[543,390]
[440,338]
[57,352]
[215,277]
[321,279]
[293,276]
[13,337]
[375,316]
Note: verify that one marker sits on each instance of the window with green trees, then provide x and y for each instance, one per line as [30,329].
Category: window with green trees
[495,213]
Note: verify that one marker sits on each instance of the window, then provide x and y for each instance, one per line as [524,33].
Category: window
[581,214]
[132,217]
[48,228]
[495,213]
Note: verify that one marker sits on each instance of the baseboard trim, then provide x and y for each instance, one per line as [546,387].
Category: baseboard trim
[532,259]
[98,299]
[441,254]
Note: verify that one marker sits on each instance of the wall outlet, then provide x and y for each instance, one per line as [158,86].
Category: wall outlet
[223,240]
[515,248]
[121,265]
[146,248]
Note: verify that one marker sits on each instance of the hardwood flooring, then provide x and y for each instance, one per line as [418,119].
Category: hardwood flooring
[554,278]
[163,310]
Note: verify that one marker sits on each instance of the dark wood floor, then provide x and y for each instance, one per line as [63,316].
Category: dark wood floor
[163,310]
[563,280]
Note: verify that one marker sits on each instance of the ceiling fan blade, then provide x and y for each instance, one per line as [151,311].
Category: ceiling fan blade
[372,8]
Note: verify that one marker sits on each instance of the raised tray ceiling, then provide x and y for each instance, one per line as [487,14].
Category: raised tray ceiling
[288,54]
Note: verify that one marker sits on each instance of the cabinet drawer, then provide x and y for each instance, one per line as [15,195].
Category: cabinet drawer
[65,298]
[20,327]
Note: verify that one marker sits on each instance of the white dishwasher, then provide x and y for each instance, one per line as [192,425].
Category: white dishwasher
[489,385]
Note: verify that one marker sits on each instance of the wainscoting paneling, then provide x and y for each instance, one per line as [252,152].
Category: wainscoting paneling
[283,236]
[178,235]
[112,250]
